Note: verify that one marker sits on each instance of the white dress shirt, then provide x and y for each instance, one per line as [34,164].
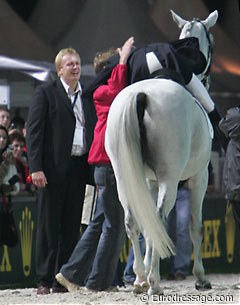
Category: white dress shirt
[79,141]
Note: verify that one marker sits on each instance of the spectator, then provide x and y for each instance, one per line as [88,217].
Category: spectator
[6,158]
[59,134]
[94,261]
[230,125]
[5,117]
[17,141]
[8,186]
[4,140]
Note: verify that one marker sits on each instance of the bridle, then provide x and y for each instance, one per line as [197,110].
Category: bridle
[206,72]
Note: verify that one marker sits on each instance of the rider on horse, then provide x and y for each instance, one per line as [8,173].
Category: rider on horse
[180,61]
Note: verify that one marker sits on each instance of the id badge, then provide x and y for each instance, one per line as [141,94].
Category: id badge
[79,136]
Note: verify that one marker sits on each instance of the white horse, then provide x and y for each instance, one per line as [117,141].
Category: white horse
[156,124]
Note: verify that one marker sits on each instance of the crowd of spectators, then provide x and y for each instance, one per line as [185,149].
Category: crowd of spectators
[16,148]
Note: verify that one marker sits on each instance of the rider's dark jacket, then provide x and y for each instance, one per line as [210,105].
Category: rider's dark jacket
[179,59]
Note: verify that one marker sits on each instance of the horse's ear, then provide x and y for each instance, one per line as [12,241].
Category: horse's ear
[211,20]
[179,21]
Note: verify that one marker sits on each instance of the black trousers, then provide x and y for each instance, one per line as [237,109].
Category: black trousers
[58,221]
[236,213]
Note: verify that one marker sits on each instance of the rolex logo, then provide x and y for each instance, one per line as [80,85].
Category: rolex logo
[26,227]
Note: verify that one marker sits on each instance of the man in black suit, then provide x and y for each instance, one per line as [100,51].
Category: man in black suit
[59,134]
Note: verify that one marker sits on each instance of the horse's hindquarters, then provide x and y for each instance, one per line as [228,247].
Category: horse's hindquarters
[177,135]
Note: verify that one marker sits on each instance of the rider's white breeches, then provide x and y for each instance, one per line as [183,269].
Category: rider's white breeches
[198,90]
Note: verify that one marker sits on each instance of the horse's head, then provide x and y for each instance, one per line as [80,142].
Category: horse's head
[200,29]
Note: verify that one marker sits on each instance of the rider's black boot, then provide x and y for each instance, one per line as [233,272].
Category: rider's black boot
[215,118]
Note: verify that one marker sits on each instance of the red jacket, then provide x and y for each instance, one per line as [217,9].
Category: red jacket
[103,98]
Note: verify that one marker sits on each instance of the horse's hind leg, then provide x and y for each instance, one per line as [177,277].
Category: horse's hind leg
[132,231]
[148,255]
[198,188]
[152,260]
[154,275]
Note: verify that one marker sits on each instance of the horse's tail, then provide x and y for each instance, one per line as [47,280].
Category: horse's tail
[123,145]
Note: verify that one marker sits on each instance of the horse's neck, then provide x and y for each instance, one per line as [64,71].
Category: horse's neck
[204,49]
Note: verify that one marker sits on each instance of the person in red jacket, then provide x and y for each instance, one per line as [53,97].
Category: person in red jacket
[94,260]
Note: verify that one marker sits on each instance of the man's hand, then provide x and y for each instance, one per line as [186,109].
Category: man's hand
[39,179]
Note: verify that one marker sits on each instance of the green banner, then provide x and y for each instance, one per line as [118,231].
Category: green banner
[220,249]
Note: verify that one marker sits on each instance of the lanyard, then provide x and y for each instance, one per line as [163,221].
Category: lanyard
[75,100]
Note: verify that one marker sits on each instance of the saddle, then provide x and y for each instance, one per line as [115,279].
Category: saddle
[168,74]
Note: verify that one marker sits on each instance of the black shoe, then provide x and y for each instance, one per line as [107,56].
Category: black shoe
[179,276]
[59,290]
[170,277]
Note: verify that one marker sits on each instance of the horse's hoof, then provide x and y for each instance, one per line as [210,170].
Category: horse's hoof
[205,285]
[140,288]
[155,291]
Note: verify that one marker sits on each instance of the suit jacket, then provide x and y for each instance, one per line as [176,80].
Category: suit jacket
[50,130]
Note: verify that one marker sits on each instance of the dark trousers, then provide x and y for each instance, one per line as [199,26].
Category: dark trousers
[236,213]
[178,223]
[58,222]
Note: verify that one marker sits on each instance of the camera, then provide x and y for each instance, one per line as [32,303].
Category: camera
[14,179]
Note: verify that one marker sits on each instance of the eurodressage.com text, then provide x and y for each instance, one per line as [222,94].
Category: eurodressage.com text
[175,298]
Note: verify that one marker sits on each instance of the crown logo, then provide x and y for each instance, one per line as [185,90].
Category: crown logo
[5,264]
[26,227]
[230,232]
